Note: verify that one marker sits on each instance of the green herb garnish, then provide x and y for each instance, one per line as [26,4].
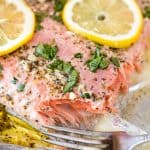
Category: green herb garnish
[86,95]
[68,70]
[56,65]
[72,80]
[1,68]
[78,55]
[60,65]
[98,45]
[104,63]
[57,17]
[58,7]
[46,51]
[14,80]
[93,64]
[98,61]
[39,18]
[20,87]
[115,61]
[146,12]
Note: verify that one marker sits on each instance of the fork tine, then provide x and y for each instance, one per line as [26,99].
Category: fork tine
[74,146]
[83,141]
[102,135]
[75,139]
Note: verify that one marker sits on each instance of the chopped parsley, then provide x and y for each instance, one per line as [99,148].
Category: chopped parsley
[94,63]
[72,80]
[98,45]
[20,87]
[46,51]
[78,55]
[14,80]
[68,70]
[1,68]
[39,18]
[67,67]
[146,12]
[86,95]
[58,7]
[104,63]
[57,17]
[115,61]
[56,65]
[98,61]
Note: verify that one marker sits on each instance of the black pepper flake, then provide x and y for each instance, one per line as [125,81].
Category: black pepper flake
[95,79]
[14,80]
[32,145]
[25,107]
[8,97]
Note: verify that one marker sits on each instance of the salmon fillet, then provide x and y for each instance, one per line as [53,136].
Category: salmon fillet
[42,100]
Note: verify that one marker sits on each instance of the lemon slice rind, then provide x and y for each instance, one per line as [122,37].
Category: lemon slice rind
[28,28]
[118,41]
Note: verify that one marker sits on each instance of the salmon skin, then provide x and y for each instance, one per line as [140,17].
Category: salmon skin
[30,89]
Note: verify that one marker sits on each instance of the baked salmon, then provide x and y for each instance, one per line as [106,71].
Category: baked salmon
[32,89]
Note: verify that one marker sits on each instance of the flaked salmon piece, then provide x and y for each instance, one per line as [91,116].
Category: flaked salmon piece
[66,112]
[42,101]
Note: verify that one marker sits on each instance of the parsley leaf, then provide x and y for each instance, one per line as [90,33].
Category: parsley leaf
[86,95]
[98,45]
[115,61]
[57,17]
[1,68]
[56,65]
[46,51]
[104,64]
[94,64]
[97,52]
[98,61]
[58,7]
[78,55]
[71,82]
[68,70]
[39,18]
[146,12]
[20,87]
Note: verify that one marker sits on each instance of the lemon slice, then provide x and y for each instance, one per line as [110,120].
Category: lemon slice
[17,24]
[116,23]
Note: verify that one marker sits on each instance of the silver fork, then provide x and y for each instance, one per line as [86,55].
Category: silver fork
[87,140]
[91,140]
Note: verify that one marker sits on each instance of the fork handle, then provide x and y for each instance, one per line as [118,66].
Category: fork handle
[126,142]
